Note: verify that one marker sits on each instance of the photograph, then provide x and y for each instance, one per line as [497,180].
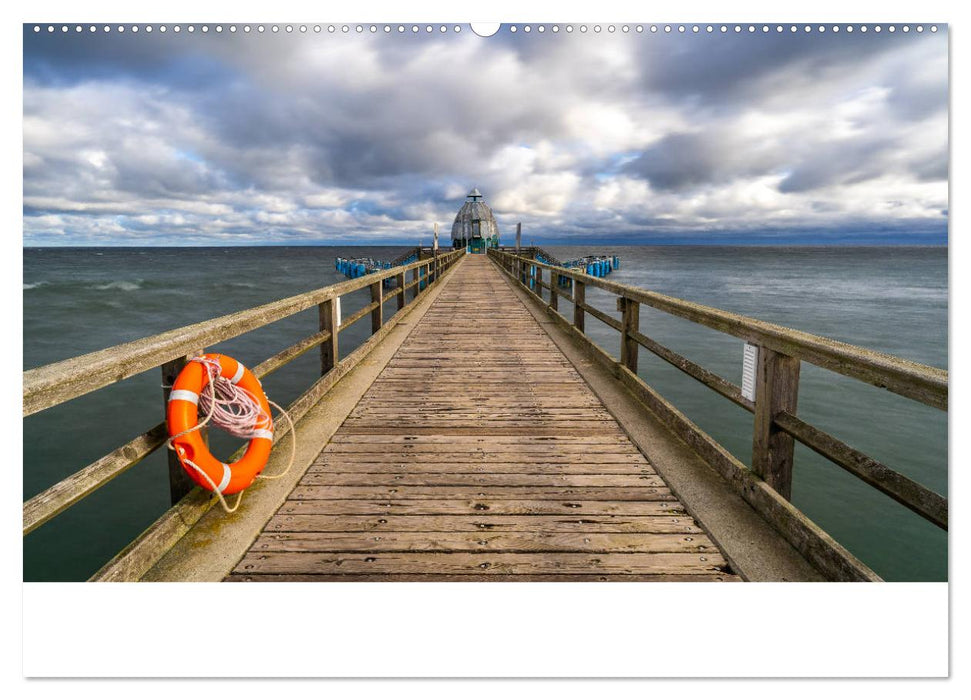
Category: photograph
[347,302]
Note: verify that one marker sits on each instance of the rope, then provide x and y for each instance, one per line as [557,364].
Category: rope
[238,412]
[293,443]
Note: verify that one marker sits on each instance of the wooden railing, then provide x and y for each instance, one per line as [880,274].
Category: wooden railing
[59,382]
[767,484]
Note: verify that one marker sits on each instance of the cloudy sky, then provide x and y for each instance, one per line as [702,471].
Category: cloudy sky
[242,139]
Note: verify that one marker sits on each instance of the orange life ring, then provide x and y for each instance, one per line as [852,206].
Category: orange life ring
[182,414]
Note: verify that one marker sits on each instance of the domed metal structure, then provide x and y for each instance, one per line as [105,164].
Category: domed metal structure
[475,226]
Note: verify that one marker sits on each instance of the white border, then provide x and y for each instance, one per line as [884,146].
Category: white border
[486,630]
[417,630]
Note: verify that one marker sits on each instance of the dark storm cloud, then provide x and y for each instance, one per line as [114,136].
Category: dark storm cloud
[181,137]
[179,60]
[681,160]
[730,68]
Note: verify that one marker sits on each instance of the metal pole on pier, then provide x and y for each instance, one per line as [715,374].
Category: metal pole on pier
[435,249]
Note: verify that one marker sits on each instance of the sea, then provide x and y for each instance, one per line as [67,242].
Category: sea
[891,299]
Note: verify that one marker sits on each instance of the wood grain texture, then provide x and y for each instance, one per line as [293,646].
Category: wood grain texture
[777,391]
[479,453]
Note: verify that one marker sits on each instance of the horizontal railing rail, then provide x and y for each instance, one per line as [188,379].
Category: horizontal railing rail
[780,352]
[60,382]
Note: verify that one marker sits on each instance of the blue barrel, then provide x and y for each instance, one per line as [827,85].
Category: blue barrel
[609,269]
[616,262]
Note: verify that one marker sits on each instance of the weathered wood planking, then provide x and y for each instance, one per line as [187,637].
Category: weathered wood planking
[484,563]
[638,492]
[482,542]
[362,524]
[439,578]
[479,453]
[394,478]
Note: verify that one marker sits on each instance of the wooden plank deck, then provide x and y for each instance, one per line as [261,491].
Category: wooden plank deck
[479,453]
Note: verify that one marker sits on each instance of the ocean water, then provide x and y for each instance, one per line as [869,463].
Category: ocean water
[889,299]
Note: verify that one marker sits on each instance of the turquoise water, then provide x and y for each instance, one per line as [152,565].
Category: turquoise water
[889,299]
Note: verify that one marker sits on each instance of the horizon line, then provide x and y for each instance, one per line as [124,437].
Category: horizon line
[733,244]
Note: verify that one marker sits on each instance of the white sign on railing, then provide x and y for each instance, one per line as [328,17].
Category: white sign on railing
[338,300]
[750,361]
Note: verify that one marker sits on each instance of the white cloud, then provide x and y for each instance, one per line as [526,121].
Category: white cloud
[372,138]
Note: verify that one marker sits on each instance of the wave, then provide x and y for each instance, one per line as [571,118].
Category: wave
[35,285]
[121,285]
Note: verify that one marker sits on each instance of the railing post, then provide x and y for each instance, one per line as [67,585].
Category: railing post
[579,298]
[631,320]
[776,390]
[401,291]
[416,283]
[179,482]
[554,297]
[377,315]
[327,313]
[435,252]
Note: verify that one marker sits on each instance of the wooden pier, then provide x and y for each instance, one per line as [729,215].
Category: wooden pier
[480,435]
[479,452]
